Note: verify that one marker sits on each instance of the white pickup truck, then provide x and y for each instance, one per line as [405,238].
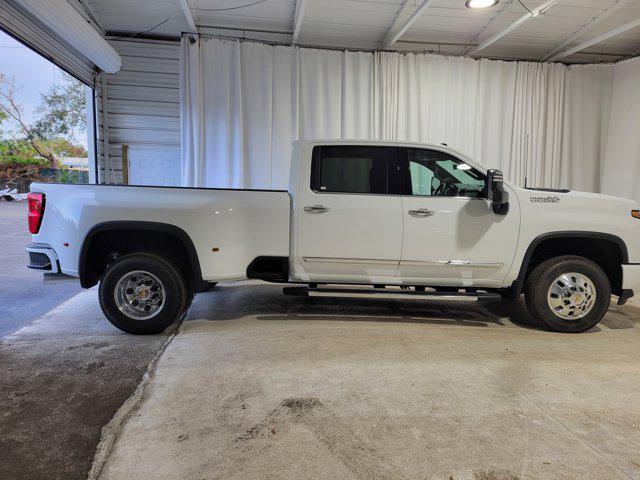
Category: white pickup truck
[360,218]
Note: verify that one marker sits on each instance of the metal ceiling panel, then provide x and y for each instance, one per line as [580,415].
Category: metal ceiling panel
[365,23]
[29,30]
[162,17]
[269,14]
[331,35]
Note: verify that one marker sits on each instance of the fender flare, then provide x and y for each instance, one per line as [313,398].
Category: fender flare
[179,233]
[518,284]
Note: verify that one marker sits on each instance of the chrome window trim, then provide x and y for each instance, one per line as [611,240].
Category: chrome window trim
[444,196]
[356,193]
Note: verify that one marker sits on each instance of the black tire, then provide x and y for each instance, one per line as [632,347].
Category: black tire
[542,277]
[174,291]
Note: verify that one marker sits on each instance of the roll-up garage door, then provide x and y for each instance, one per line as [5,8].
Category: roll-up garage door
[30,31]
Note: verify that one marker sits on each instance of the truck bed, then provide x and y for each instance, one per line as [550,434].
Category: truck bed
[229,228]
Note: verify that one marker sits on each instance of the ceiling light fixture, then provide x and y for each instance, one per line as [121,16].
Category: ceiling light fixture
[480,3]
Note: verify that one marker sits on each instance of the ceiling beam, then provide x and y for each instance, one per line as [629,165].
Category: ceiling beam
[518,23]
[633,55]
[188,14]
[586,28]
[91,14]
[301,6]
[505,6]
[399,27]
[596,40]
[404,11]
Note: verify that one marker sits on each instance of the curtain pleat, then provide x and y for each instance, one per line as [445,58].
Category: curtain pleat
[587,106]
[191,116]
[357,109]
[243,103]
[494,114]
[621,175]
[388,73]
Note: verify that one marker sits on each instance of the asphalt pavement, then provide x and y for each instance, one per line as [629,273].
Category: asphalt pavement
[25,294]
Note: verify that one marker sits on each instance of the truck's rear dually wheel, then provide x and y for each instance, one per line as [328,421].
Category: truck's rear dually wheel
[568,293]
[143,293]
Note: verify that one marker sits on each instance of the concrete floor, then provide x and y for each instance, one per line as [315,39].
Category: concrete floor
[261,386]
[24,294]
[258,385]
[62,378]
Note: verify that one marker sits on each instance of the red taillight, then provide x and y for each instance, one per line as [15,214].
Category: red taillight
[36,211]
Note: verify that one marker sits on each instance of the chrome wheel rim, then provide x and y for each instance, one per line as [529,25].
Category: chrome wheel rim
[139,295]
[571,296]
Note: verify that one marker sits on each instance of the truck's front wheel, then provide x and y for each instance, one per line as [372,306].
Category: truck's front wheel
[568,294]
[142,293]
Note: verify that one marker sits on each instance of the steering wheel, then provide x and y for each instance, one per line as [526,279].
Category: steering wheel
[451,190]
[440,191]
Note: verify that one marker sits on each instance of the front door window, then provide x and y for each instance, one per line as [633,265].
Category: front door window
[438,174]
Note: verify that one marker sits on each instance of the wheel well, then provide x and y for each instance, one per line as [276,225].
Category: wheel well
[608,252]
[269,269]
[106,242]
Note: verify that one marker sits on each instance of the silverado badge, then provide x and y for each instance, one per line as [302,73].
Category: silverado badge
[548,199]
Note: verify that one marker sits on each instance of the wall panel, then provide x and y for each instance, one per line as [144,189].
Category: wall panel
[143,111]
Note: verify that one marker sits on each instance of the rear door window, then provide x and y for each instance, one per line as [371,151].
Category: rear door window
[351,169]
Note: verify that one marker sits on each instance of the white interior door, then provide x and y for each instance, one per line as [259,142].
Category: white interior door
[154,166]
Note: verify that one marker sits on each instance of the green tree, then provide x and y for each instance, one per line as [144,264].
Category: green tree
[62,110]
[3,114]
[12,110]
[3,117]
[61,115]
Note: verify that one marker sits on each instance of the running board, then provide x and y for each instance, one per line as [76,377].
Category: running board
[391,294]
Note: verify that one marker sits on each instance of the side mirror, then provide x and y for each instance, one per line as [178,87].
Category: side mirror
[496,193]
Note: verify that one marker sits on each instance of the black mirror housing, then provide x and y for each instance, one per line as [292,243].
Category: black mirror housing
[496,193]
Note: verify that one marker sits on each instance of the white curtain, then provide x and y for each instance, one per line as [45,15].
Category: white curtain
[585,129]
[243,103]
[191,118]
[536,123]
[621,172]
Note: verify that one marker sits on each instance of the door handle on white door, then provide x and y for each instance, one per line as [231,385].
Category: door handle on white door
[316,209]
[421,213]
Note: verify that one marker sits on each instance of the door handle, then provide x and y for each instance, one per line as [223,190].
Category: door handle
[421,213]
[315,209]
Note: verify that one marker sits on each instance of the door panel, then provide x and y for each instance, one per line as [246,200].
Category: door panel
[451,234]
[462,242]
[358,235]
[348,223]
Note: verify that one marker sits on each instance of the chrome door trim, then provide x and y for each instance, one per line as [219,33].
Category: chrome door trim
[450,263]
[423,263]
[468,263]
[349,260]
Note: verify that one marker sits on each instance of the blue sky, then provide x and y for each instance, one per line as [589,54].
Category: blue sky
[33,74]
